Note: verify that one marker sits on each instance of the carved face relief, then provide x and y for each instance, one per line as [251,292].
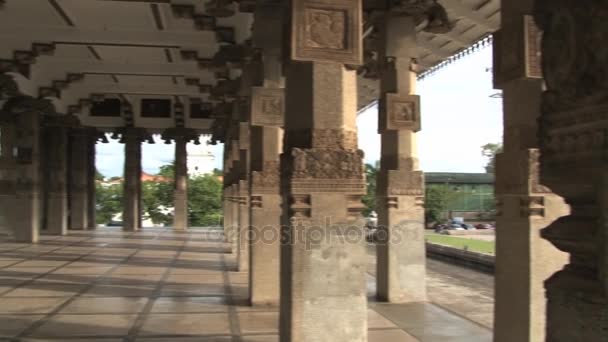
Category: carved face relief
[267,106]
[404,111]
[327,31]
[271,105]
[325,28]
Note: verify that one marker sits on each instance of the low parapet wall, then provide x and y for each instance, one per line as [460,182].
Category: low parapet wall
[477,261]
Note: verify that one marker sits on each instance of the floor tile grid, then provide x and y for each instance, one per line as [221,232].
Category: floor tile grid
[233,320]
[143,314]
[37,255]
[53,269]
[55,311]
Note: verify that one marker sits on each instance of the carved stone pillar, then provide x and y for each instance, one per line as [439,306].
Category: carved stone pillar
[26,205]
[572,132]
[180,217]
[56,145]
[79,179]
[131,216]
[523,260]
[323,257]
[7,176]
[92,171]
[267,112]
[243,197]
[401,264]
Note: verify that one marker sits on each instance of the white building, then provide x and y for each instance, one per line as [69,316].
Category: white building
[201,160]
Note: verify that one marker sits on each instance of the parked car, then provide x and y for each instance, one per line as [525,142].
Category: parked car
[484,226]
[467,226]
[372,220]
[455,226]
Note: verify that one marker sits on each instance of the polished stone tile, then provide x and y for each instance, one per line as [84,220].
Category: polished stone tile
[12,325]
[258,322]
[86,325]
[10,305]
[392,335]
[190,305]
[195,279]
[186,324]
[119,291]
[193,290]
[377,321]
[103,305]
[47,290]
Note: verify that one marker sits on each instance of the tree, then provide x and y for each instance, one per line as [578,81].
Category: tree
[489,151]
[437,201]
[99,176]
[369,199]
[109,202]
[205,200]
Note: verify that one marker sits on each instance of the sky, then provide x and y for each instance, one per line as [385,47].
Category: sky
[458,117]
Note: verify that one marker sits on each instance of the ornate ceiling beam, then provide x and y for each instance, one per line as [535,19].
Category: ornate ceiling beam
[114,37]
[458,9]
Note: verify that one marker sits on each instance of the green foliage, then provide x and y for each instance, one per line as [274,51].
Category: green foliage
[490,151]
[438,200]
[369,199]
[473,245]
[205,200]
[109,202]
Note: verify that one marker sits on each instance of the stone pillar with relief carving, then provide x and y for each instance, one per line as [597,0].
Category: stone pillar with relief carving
[8,174]
[524,206]
[56,208]
[91,178]
[26,218]
[267,112]
[573,146]
[79,179]
[242,187]
[401,257]
[180,216]
[323,255]
[132,139]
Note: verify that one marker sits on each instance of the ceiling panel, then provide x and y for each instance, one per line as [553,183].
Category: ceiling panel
[129,54]
[95,14]
[72,51]
[161,80]
[15,12]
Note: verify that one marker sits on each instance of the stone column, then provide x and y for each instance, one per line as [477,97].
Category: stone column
[267,112]
[56,173]
[401,264]
[572,135]
[7,176]
[79,179]
[242,187]
[523,260]
[323,257]
[92,170]
[26,206]
[132,183]
[180,217]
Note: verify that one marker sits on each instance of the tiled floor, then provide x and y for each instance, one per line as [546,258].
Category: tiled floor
[159,285]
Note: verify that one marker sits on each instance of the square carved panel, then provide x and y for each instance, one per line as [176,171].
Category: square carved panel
[327,31]
[517,48]
[267,106]
[401,112]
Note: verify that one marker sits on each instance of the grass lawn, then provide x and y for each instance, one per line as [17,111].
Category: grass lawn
[479,246]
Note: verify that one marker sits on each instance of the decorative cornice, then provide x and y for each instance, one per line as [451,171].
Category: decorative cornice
[58,85]
[23,59]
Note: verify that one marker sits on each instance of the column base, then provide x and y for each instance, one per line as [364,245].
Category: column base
[323,284]
[401,252]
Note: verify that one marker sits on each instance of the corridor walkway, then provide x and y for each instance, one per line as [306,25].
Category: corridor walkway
[161,285]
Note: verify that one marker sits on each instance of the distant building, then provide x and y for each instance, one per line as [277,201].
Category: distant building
[473,193]
[201,160]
